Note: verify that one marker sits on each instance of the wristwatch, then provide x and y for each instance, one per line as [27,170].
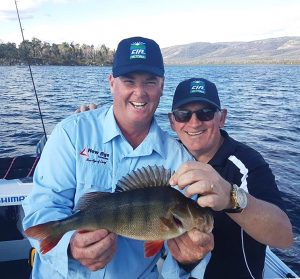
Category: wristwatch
[238,198]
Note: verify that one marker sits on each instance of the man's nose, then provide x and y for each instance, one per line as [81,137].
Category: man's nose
[194,119]
[140,89]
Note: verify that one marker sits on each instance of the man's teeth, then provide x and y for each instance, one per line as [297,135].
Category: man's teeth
[194,133]
[138,105]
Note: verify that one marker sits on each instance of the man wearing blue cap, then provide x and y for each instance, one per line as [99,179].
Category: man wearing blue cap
[90,152]
[231,178]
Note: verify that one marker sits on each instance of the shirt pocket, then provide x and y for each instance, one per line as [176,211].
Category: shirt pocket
[93,177]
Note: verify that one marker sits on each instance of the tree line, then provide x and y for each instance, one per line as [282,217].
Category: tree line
[37,52]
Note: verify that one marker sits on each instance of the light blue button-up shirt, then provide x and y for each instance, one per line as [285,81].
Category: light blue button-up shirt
[87,152]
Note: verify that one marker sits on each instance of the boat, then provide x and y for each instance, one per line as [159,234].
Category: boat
[15,250]
[14,187]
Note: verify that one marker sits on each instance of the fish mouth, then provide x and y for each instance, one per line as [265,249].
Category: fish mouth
[177,222]
[138,105]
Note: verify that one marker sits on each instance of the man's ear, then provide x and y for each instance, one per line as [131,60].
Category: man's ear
[111,83]
[162,86]
[171,120]
[223,118]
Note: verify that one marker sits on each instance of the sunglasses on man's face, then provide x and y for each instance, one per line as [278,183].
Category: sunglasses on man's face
[184,115]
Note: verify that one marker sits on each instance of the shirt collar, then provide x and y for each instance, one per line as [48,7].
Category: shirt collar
[153,141]
[110,125]
[226,149]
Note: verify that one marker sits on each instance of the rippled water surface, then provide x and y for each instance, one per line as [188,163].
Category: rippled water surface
[263,105]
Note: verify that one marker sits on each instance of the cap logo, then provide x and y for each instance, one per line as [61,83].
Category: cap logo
[197,86]
[138,50]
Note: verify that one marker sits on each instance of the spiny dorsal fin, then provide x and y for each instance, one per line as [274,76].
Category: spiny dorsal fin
[150,176]
[88,199]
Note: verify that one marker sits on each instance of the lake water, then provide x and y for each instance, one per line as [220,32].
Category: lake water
[263,103]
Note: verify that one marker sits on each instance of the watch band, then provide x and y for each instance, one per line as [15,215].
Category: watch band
[235,206]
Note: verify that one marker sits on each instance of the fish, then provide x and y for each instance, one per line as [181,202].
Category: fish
[143,207]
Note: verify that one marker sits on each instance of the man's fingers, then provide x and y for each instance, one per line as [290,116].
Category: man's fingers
[81,109]
[200,238]
[195,235]
[201,187]
[191,247]
[95,248]
[103,247]
[189,173]
[98,263]
[92,106]
[183,169]
[86,108]
[86,238]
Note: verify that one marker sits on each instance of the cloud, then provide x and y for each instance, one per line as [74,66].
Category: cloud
[9,5]
[174,27]
[27,7]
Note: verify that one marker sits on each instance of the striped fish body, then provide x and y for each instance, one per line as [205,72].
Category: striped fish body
[144,207]
[145,214]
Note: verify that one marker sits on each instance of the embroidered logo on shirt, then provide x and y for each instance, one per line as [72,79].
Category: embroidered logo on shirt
[94,156]
[84,152]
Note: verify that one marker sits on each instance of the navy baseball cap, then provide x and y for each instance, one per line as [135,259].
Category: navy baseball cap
[196,90]
[138,54]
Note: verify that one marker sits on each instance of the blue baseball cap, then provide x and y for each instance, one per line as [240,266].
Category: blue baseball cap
[196,90]
[138,54]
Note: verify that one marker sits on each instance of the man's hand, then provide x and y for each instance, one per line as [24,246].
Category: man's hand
[93,249]
[86,108]
[191,247]
[203,180]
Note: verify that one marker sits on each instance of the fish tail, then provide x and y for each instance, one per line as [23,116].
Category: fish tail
[49,235]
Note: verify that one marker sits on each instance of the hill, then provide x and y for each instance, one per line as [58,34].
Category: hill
[274,50]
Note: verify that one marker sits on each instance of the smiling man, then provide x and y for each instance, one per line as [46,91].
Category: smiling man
[90,152]
[231,178]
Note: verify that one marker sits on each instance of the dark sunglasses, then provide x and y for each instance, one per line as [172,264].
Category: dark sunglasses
[184,115]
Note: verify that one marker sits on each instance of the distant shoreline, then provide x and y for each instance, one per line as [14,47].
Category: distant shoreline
[240,63]
[283,50]
[277,51]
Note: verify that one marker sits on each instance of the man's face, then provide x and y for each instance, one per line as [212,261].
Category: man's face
[135,97]
[201,138]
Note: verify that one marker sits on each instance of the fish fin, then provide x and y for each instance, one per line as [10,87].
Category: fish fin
[150,176]
[88,199]
[165,224]
[46,234]
[152,247]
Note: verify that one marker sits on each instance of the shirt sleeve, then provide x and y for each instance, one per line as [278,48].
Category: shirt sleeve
[54,186]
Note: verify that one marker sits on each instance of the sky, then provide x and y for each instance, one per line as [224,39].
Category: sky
[169,22]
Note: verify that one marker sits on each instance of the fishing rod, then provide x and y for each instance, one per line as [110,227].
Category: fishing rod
[31,75]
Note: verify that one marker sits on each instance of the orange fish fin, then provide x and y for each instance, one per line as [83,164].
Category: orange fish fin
[152,247]
[165,224]
[48,243]
[46,234]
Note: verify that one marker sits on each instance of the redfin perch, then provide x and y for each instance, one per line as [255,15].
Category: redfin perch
[144,207]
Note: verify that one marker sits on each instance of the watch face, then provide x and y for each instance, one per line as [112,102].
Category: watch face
[239,200]
[242,198]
